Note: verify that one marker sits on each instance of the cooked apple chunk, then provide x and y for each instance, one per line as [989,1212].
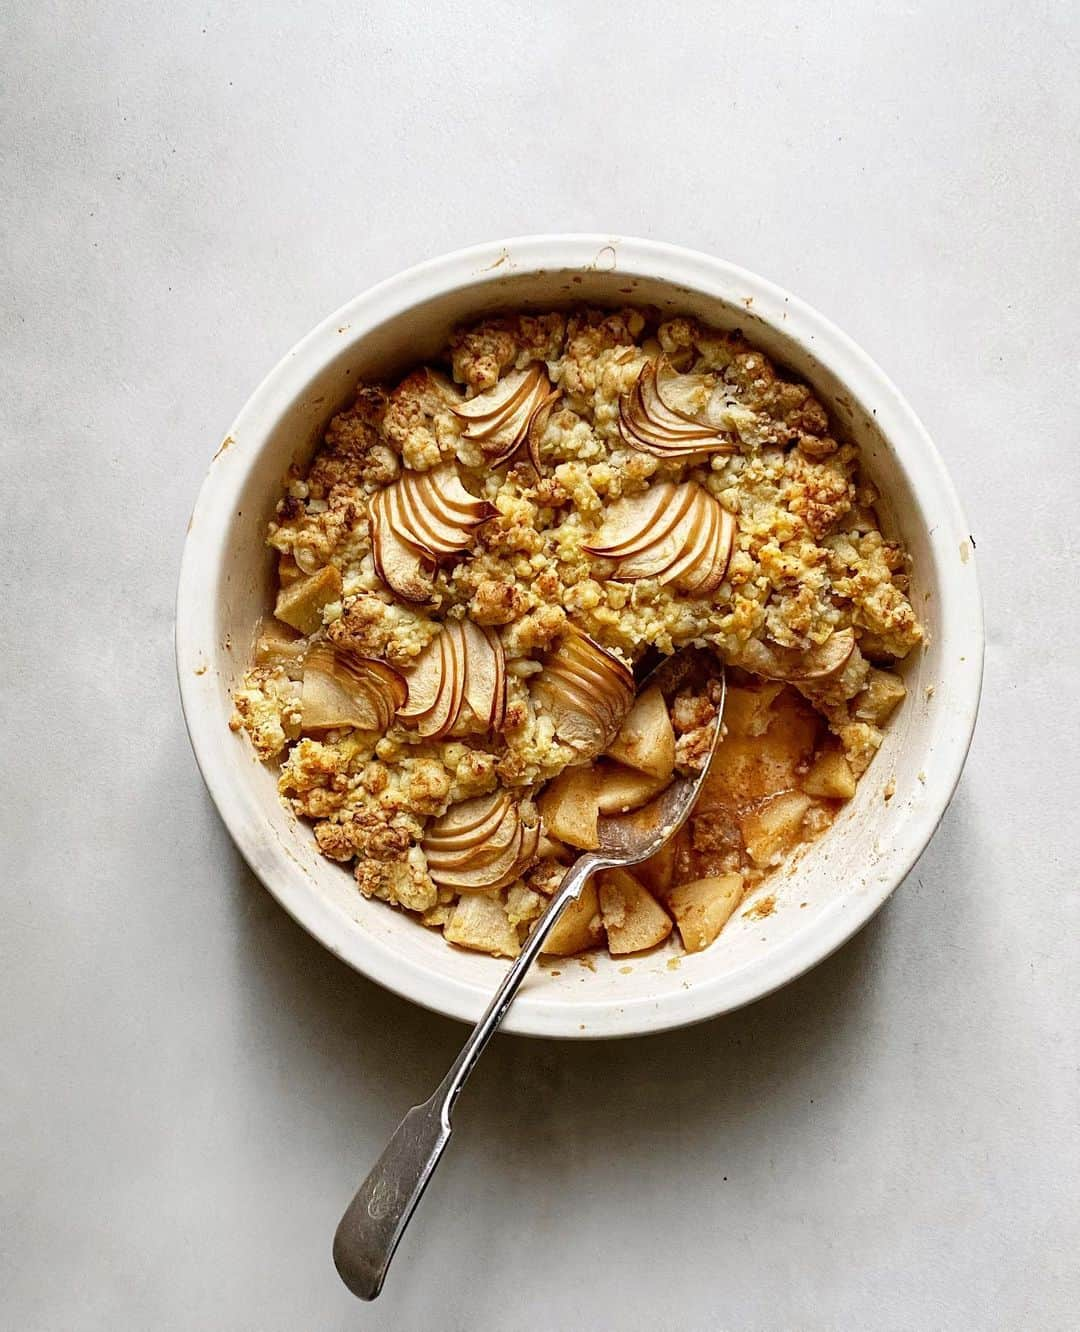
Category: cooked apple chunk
[646,740]
[702,908]
[632,917]
[830,776]
[620,789]
[884,691]
[771,830]
[579,927]
[570,809]
[301,603]
[481,924]
[280,645]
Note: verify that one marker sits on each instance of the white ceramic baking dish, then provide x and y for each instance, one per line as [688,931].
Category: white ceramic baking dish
[834,888]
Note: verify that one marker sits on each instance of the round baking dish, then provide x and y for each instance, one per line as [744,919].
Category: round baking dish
[839,882]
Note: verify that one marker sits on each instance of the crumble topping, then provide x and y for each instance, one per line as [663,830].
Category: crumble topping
[809,607]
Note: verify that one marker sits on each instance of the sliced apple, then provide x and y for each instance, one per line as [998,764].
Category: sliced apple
[469,821]
[401,564]
[587,692]
[462,665]
[485,674]
[620,789]
[300,604]
[633,919]
[500,842]
[696,556]
[579,926]
[569,808]
[639,520]
[425,679]
[648,424]
[420,519]
[710,575]
[646,740]
[342,689]
[702,908]
[499,419]
[538,423]
[676,534]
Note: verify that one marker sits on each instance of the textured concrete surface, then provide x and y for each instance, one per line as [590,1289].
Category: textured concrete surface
[189,1086]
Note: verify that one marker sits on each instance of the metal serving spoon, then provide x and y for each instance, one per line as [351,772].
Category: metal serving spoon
[376,1218]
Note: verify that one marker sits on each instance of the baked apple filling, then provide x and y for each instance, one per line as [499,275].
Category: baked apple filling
[482,561]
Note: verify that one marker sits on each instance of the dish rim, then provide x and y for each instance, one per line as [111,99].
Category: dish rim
[205,548]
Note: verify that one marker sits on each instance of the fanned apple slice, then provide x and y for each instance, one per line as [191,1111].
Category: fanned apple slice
[697,553]
[499,419]
[500,401]
[496,872]
[425,680]
[342,689]
[479,853]
[403,566]
[711,577]
[448,708]
[423,524]
[446,496]
[435,723]
[648,424]
[640,520]
[538,424]
[687,395]
[485,674]
[467,816]
[586,715]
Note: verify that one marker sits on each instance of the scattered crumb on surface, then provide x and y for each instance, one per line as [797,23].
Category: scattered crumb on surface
[890,788]
[759,910]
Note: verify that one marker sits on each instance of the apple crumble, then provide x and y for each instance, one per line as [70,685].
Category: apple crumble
[476,562]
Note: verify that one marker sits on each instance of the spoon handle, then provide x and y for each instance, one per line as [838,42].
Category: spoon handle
[375,1220]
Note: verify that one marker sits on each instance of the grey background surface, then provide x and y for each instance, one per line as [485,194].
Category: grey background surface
[189,1086]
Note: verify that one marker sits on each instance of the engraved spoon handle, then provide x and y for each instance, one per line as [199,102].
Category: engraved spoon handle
[376,1218]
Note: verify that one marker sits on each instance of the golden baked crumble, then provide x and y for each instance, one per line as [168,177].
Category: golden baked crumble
[563,494]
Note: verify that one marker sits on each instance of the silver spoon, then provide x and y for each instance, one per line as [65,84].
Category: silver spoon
[376,1218]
